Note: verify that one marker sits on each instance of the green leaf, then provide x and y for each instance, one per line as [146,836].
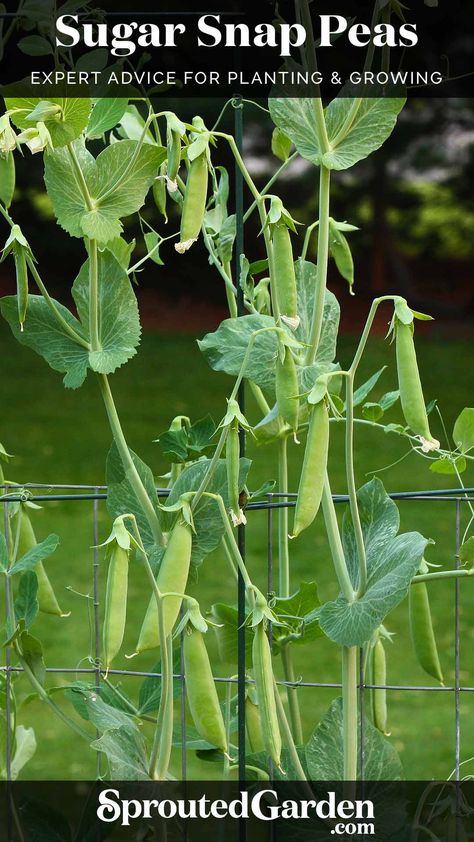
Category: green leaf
[389,399]
[227,619]
[26,602]
[121,498]
[392,561]
[111,174]
[225,349]
[371,124]
[37,553]
[372,411]
[32,652]
[7,178]
[43,335]
[125,752]
[324,751]
[449,467]
[79,691]
[466,552]
[106,114]
[207,517]
[150,690]
[75,115]
[306,273]
[281,145]
[25,748]
[153,242]
[299,612]
[121,250]
[463,433]
[363,391]
[119,321]
[35,45]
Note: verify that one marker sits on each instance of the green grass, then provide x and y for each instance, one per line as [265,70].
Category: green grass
[62,437]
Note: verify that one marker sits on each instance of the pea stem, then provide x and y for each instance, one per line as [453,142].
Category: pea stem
[80,178]
[129,466]
[335,543]
[288,738]
[350,711]
[442,574]
[322,265]
[292,693]
[270,184]
[94,296]
[283,551]
[351,486]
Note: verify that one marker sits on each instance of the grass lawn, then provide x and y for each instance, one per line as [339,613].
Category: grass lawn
[62,437]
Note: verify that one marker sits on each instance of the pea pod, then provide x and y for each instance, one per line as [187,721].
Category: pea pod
[172,576]
[315,461]
[379,674]
[264,685]
[160,193]
[115,604]
[201,690]
[232,455]
[7,178]
[287,388]
[252,724]
[21,282]
[47,600]
[411,392]
[194,206]
[422,633]
[341,253]
[173,142]
[284,278]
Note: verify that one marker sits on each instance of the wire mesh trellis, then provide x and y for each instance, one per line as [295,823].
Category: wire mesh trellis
[76,494]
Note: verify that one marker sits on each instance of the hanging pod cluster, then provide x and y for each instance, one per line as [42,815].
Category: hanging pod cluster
[172,578]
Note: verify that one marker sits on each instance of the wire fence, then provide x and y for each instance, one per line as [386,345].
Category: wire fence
[77,494]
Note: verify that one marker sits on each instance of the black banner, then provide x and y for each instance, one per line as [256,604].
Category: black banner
[237,48]
[57,811]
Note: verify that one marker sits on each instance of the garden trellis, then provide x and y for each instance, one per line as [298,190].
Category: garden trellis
[83,494]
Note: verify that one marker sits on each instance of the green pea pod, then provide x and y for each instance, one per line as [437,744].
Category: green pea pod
[115,604]
[252,724]
[263,674]
[341,253]
[160,193]
[21,282]
[422,633]
[172,576]
[7,178]
[47,601]
[173,142]
[411,392]
[232,455]
[201,691]
[284,279]
[379,673]
[287,389]
[194,206]
[315,461]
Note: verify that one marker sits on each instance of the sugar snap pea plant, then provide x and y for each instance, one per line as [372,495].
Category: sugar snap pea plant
[283,349]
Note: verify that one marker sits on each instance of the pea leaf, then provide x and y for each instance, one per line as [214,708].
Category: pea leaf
[111,200]
[150,690]
[463,433]
[324,751]
[25,742]
[299,613]
[121,498]
[26,602]
[372,411]
[281,145]
[32,652]
[7,178]
[3,553]
[306,288]
[207,517]
[392,561]
[466,552]
[43,335]
[225,348]
[74,117]
[36,554]
[106,114]
[125,752]
[389,399]
[41,822]
[35,45]
[226,631]
[371,123]
[449,467]
[363,391]
[119,322]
